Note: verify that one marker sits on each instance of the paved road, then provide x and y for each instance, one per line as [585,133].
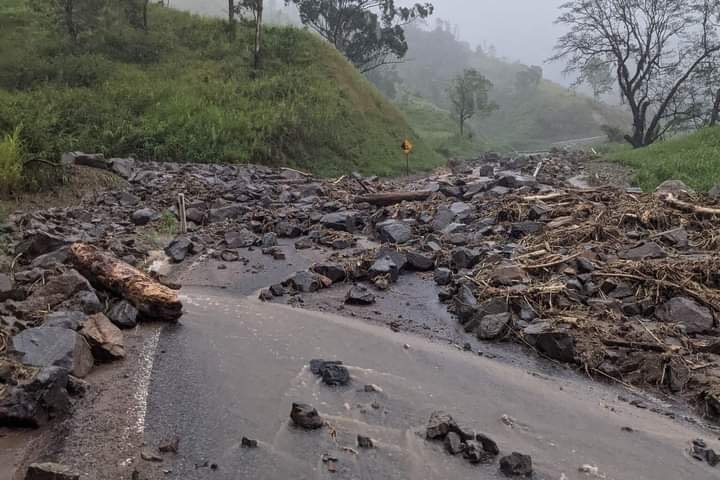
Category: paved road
[234,367]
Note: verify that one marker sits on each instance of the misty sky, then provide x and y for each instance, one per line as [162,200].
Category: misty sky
[521,30]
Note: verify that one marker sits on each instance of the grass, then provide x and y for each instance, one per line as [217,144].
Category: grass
[694,159]
[182,92]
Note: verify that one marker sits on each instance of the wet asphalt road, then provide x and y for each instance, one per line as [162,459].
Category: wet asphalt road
[234,366]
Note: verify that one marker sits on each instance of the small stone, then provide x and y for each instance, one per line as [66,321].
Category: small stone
[488,444]
[365,442]
[123,314]
[50,471]
[584,265]
[144,216]
[170,446]
[686,311]
[443,276]
[439,424]
[150,456]
[334,375]
[384,266]
[516,464]
[305,416]
[359,295]
[266,295]
[453,443]
[240,239]
[644,251]
[336,273]
[248,443]
[105,339]
[179,248]
[474,453]
[394,231]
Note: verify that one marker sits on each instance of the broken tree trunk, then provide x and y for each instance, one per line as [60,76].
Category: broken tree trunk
[391,198]
[152,300]
[674,202]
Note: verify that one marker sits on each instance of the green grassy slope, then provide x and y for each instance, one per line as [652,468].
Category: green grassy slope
[694,159]
[182,92]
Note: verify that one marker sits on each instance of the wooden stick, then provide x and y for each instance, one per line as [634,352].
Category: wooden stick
[670,199]
[153,300]
[391,198]
[653,347]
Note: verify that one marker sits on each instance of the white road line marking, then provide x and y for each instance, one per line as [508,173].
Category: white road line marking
[138,408]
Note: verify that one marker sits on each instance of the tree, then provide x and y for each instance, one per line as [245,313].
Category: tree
[468,93]
[136,12]
[599,76]
[232,10]
[255,7]
[368,32]
[75,17]
[654,48]
[528,79]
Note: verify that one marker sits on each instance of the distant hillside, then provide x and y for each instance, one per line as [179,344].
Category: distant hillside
[182,92]
[530,116]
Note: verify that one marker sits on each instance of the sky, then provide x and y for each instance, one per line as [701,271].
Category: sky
[522,30]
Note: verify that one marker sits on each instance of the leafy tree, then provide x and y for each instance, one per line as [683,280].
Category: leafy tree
[369,33]
[255,7]
[468,93]
[528,79]
[599,76]
[655,47]
[136,12]
[75,17]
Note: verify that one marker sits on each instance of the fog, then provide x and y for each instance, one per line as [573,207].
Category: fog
[520,30]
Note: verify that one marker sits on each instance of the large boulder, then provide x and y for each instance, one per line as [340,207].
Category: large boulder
[687,312]
[35,402]
[53,346]
[105,339]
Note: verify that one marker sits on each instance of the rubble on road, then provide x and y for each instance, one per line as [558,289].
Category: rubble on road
[458,439]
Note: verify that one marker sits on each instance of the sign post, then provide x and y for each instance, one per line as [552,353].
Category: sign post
[407,148]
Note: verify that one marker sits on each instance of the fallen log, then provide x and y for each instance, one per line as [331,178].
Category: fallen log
[674,202]
[653,347]
[391,198]
[153,300]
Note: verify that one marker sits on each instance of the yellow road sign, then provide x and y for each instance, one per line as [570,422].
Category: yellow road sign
[407,147]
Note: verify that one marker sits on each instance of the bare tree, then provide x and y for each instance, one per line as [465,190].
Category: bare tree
[232,10]
[653,46]
[255,7]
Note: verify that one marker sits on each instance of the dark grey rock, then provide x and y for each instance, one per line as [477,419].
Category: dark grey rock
[195,215]
[399,258]
[41,242]
[419,262]
[394,231]
[65,319]
[34,403]
[462,258]
[453,443]
[439,424]
[306,417]
[334,375]
[336,273]
[122,167]
[53,346]
[520,229]
[317,364]
[443,217]
[179,249]
[584,265]
[144,216]
[93,160]
[492,327]
[516,464]
[269,240]
[348,221]
[7,289]
[644,251]
[676,187]
[365,442]
[304,282]
[51,259]
[714,192]
[248,443]
[488,444]
[359,295]
[685,311]
[228,212]
[123,314]
[555,342]
[384,266]
[474,453]
[287,229]
[88,302]
[240,239]
[443,276]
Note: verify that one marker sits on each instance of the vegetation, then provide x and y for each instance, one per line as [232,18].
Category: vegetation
[182,91]
[11,162]
[694,159]
[658,49]
[369,33]
[468,93]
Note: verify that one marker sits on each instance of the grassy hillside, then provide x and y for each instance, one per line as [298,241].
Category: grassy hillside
[182,92]
[694,159]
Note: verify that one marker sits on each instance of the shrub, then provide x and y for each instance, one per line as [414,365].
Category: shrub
[11,162]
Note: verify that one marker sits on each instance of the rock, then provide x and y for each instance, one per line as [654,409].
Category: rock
[347,221]
[105,339]
[687,312]
[399,258]
[443,217]
[516,464]
[240,239]
[334,374]
[486,170]
[226,213]
[123,167]
[677,237]
[50,471]
[305,416]
[77,387]
[336,273]
[195,215]
[439,424]
[419,262]
[384,266]
[144,216]
[93,160]
[538,211]
[123,314]
[492,327]
[394,231]
[676,187]
[304,282]
[453,443]
[644,251]
[584,265]
[65,319]
[230,256]
[520,229]
[248,443]
[51,259]
[474,453]
[269,240]
[443,276]
[365,442]
[462,258]
[265,295]
[555,342]
[714,192]
[460,208]
[34,403]
[53,346]
[149,455]
[303,244]
[88,301]
[179,249]
[287,229]
[171,445]
[510,180]
[488,444]
[508,275]
[359,295]
[40,242]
